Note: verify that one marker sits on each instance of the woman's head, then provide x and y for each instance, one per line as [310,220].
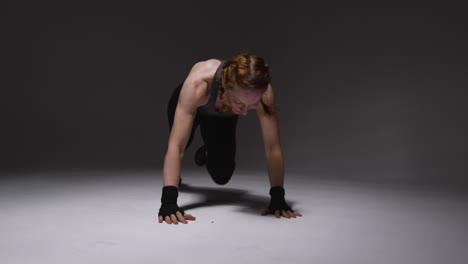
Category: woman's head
[244,79]
[245,71]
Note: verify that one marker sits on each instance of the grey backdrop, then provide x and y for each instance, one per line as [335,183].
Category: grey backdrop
[366,91]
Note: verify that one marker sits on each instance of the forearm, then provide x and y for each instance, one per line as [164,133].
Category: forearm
[172,168]
[275,164]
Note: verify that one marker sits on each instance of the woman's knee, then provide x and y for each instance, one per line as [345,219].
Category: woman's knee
[221,173]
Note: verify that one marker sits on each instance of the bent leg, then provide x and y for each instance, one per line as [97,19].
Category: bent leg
[219,135]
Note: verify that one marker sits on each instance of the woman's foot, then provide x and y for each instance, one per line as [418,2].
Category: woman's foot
[201,156]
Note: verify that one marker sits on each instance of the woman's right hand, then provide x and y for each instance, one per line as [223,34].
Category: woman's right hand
[170,212]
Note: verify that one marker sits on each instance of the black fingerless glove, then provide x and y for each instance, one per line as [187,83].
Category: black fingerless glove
[277,202]
[169,202]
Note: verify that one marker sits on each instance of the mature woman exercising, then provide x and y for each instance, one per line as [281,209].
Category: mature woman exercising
[213,96]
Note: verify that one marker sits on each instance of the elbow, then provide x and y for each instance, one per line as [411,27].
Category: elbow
[273,150]
[175,151]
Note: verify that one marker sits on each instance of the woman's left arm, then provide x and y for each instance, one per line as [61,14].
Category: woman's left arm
[271,139]
[274,156]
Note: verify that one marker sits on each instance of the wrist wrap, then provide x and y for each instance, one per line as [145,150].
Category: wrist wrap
[277,202]
[169,201]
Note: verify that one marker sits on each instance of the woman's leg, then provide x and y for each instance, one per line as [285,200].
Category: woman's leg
[219,135]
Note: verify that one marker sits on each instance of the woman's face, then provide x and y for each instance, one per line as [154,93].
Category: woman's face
[243,100]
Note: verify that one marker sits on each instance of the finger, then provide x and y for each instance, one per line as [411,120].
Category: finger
[265,212]
[181,217]
[189,217]
[297,214]
[291,214]
[168,220]
[160,219]
[277,214]
[174,219]
[285,214]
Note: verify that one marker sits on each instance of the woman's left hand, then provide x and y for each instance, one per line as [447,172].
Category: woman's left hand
[287,214]
[278,205]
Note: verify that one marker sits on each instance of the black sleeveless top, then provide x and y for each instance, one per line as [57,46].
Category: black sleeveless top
[210,107]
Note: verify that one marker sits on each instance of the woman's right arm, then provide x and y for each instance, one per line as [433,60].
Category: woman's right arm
[192,95]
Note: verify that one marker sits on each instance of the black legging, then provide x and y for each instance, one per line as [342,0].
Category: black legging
[219,136]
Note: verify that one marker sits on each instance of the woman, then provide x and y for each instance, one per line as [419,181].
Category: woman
[213,96]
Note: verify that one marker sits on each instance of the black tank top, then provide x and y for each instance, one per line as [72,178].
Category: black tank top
[210,107]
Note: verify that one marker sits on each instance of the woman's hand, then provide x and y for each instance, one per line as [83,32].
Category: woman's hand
[176,218]
[287,214]
[170,212]
[278,205]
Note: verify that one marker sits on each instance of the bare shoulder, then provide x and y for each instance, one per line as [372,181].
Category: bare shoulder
[267,100]
[204,70]
[268,97]
[195,90]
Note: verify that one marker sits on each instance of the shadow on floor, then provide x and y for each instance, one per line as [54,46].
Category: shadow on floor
[247,203]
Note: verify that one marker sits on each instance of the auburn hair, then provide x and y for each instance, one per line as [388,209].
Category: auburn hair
[246,71]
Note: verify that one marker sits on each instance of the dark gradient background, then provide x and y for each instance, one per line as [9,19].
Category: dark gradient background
[366,91]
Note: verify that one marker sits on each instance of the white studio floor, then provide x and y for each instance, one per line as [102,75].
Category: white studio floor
[106,217]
